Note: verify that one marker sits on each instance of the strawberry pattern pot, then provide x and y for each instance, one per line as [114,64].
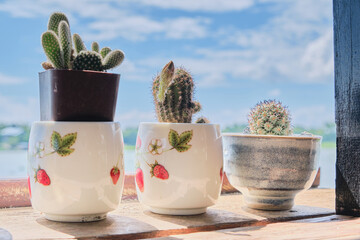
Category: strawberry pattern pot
[177,167]
[75,169]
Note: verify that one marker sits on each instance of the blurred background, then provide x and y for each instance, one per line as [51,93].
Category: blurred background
[239,52]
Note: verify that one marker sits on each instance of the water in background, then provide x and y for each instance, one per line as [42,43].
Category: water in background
[13,165]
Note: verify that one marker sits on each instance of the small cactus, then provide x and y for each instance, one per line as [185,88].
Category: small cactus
[78,43]
[65,43]
[47,65]
[113,59]
[202,120]
[51,46]
[269,118]
[88,60]
[104,51]
[58,47]
[173,95]
[95,47]
[55,19]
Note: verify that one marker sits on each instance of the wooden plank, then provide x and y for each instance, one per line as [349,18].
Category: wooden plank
[132,221]
[330,227]
[347,98]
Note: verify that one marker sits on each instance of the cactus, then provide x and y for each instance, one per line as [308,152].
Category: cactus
[51,46]
[65,43]
[47,65]
[88,60]
[104,51]
[57,45]
[269,118]
[113,59]
[55,19]
[95,47]
[78,43]
[202,120]
[173,95]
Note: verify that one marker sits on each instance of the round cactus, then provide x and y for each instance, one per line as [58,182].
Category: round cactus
[173,95]
[88,60]
[269,118]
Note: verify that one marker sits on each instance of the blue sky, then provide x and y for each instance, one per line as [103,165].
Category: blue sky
[239,52]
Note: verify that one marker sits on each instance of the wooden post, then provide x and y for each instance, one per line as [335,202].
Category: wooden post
[347,105]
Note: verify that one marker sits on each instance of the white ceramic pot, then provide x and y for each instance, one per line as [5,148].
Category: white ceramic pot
[178,167]
[271,170]
[75,169]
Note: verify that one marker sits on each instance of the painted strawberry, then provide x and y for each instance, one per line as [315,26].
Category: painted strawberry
[115,174]
[42,177]
[221,174]
[29,187]
[139,177]
[158,171]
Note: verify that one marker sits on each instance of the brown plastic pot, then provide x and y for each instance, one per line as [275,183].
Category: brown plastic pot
[68,95]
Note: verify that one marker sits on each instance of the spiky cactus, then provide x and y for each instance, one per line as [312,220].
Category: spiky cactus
[173,91]
[57,44]
[269,118]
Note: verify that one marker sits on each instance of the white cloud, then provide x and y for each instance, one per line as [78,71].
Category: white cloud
[107,20]
[139,28]
[200,5]
[17,111]
[274,93]
[295,45]
[10,80]
[312,116]
[134,117]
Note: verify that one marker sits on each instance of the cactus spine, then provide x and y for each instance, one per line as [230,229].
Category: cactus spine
[57,45]
[173,95]
[269,118]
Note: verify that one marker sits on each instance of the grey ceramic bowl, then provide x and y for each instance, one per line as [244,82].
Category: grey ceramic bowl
[270,170]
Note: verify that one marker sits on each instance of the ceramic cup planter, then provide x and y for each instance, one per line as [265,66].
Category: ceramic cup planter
[271,170]
[179,167]
[69,95]
[72,169]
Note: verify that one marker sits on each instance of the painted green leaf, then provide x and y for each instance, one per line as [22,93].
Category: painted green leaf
[65,151]
[55,140]
[182,148]
[174,138]
[185,137]
[68,140]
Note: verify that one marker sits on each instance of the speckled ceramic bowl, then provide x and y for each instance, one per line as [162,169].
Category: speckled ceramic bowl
[270,170]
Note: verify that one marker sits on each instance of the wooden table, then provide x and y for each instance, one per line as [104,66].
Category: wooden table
[313,217]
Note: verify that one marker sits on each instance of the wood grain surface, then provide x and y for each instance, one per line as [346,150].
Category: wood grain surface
[133,221]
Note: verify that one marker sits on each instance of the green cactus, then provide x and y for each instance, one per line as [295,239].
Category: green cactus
[269,118]
[78,43]
[173,95]
[88,60]
[104,51]
[55,20]
[51,46]
[58,47]
[65,43]
[95,47]
[113,59]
